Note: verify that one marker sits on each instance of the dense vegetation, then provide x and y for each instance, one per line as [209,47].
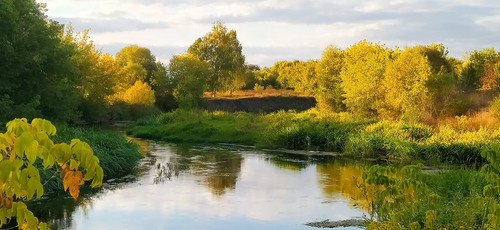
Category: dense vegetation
[319,131]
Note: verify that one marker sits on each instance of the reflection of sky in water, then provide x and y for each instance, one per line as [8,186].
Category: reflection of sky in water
[264,196]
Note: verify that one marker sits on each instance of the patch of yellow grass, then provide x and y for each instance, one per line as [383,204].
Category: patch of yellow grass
[473,122]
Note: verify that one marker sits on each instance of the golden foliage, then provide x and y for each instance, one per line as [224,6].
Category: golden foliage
[72,179]
[20,147]
[404,84]
[362,73]
[139,94]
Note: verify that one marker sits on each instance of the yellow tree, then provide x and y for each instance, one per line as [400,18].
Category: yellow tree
[405,85]
[139,94]
[329,94]
[21,146]
[362,73]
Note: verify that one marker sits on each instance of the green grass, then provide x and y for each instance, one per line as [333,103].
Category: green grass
[199,127]
[313,130]
[117,156]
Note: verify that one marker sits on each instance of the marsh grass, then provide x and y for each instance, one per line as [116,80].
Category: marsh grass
[199,126]
[315,130]
[117,156]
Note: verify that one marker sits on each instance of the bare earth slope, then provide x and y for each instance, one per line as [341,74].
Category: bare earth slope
[260,104]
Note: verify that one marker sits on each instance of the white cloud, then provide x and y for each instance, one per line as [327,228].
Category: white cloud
[296,24]
[490,22]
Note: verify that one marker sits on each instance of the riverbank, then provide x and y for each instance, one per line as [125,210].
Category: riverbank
[315,131]
[117,156]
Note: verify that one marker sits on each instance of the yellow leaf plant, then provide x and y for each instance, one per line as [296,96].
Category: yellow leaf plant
[21,146]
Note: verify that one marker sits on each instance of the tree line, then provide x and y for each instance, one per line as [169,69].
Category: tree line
[371,80]
[48,70]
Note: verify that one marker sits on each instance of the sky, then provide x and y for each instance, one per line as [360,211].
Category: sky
[277,30]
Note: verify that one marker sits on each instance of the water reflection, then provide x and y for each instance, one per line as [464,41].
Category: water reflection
[218,169]
[186,187]
[340,180]
[294,162]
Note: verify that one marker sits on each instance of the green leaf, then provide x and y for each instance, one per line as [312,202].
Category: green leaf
[98,178]
[73,165]
[21,143]
[32,186]
[61,152]
[32,151]
[48,161]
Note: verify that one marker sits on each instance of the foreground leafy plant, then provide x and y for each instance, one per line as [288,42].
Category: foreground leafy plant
[21,147]
[396,197]
[491,192]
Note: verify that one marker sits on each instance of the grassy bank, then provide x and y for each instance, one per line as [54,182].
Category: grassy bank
[117,156]
[312,130]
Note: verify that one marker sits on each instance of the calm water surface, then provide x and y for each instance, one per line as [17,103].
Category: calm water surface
[198,187]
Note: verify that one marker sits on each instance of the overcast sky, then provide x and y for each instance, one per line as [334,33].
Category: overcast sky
[275,30]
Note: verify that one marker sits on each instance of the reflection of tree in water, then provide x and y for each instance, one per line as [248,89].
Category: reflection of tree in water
[218,168]
[340,179]
[165,171]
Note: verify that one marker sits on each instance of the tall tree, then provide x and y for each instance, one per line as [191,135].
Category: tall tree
[139,64]
[222,50]
[188,74]
[37,72]
[405,85]
[95,82]
[362,73]
[329,94]
[134,57]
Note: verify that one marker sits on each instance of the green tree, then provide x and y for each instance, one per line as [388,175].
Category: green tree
[139,64]
[188,74]
[222,50]
[405,85]
[329,94]
[268,77]
[96,81]
[481,69]
[298,75]
[36,68]
[362,73]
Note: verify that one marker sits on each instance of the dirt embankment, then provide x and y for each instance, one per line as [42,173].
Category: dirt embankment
[260,104]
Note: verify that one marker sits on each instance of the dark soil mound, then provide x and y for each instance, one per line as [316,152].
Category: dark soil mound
[260,104]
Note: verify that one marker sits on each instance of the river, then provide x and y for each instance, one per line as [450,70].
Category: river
[217,187]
